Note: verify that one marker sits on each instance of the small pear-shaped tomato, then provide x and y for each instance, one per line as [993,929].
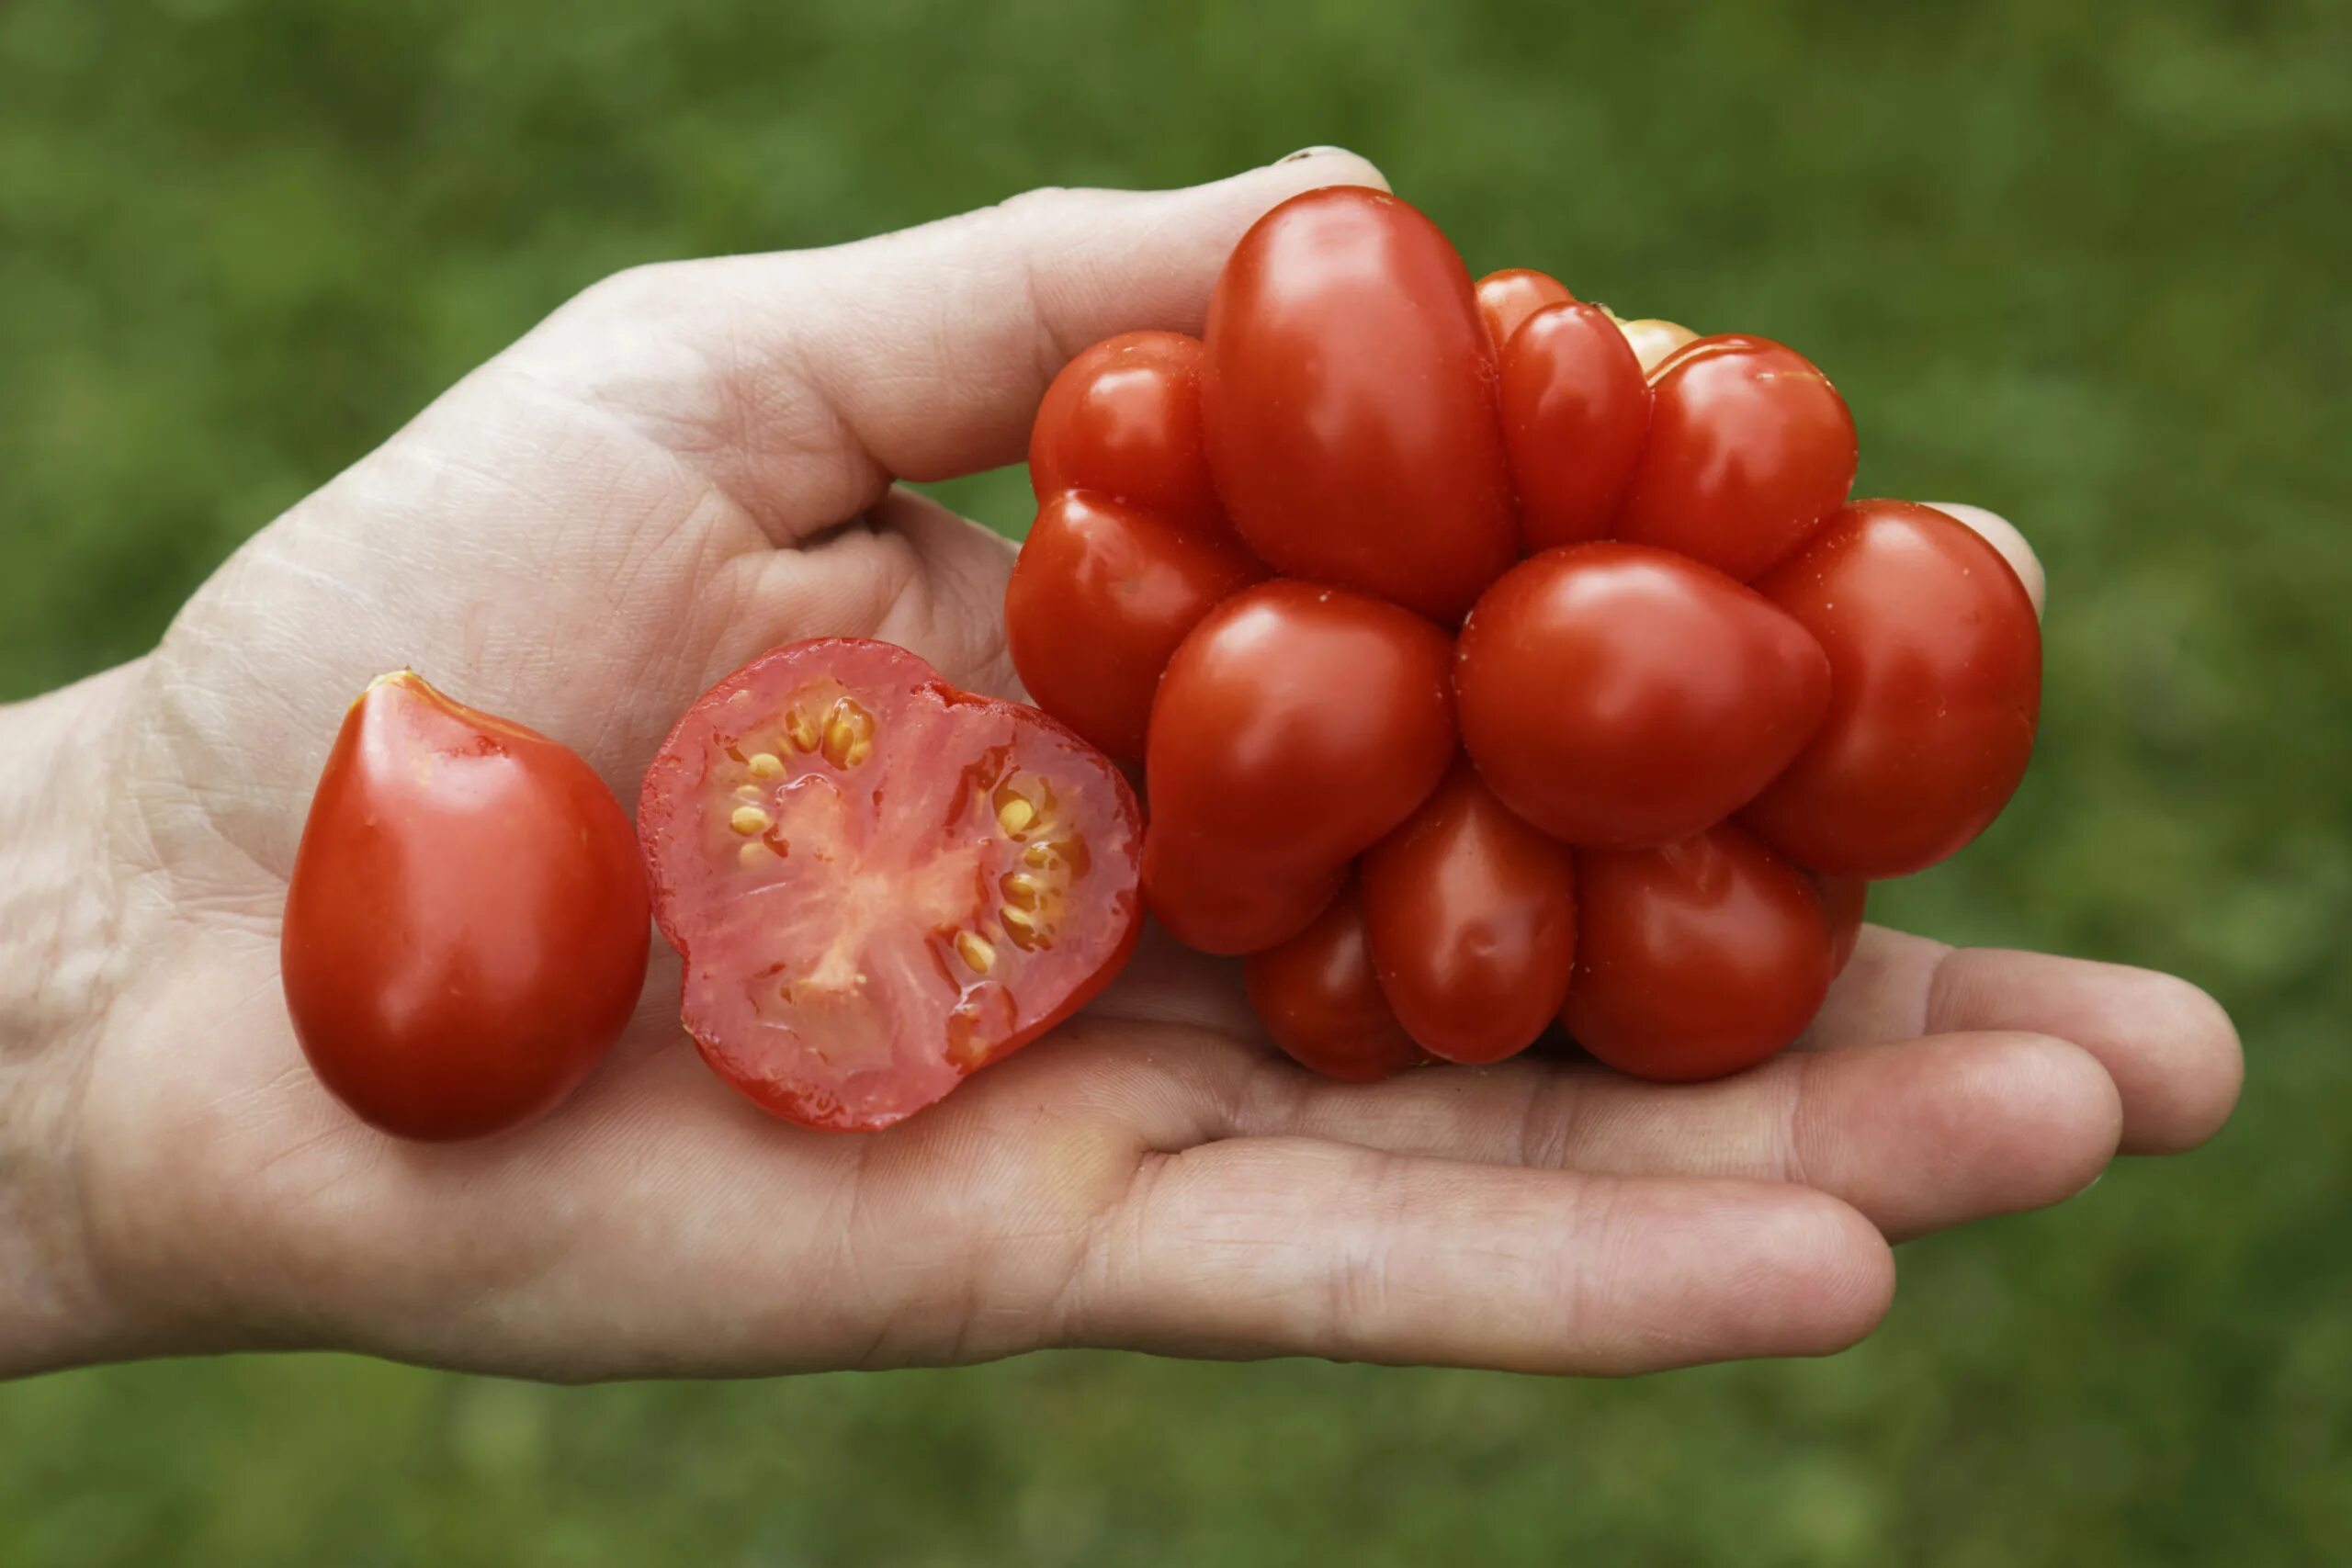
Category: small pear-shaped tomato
[466,925]
[1935,679]
[1100,598]
[1124,420]
[1575,408]
[1473,922]
[1508,298]
[1349,402]
[1317,997]
[1695,959]
[1749,449]
[1619,696]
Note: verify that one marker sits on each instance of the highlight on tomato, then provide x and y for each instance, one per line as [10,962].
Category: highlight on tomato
[1497,661]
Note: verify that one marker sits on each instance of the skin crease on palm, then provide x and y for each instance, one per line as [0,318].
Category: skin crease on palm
[689,464]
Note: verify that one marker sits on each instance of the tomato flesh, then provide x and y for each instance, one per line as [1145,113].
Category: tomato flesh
[879,883]
[466,930]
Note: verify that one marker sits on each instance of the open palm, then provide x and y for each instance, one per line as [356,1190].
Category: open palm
[691,463]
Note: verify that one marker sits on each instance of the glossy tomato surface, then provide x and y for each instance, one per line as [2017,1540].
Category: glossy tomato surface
[1575,410]
[1843,899]
[1124,418]
[1619,696]
[1749,449]
[466,928]
[1471,918]
[1319,998]
[1101,596]
[1935,659]
[879,883]
[1508,298]
[1696,959]
[1295,726]
[1349,402]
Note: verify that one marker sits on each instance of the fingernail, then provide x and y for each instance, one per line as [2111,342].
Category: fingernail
[1318,152]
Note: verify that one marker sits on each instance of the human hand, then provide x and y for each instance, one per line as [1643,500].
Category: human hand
[691,463]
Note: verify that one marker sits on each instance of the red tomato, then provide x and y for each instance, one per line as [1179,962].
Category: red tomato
[465,928]
[1473,922]
[1317,997]
[1618,697]
[1102,595]
[1295,726]
[1749,449]
[879,883]
[1934,677]
[1842,901]
[1696,959]
[1508,298]
[1349,402]
[1123,418]
[1575,410]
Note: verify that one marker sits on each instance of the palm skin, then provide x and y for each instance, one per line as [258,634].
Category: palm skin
[693,463]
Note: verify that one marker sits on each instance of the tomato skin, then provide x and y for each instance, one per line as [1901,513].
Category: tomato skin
[1575,410]
[1695,959]
[1124,418]
[1935,661]
[1508,298]
[1349,400]
[1318,998]
[1618,697]
[1749,449]
[834,852]
[1295,726]
[466,924]
[1471,918]
[1842,902]
[1099,599]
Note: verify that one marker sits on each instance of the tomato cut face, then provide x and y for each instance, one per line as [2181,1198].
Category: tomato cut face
[879,883]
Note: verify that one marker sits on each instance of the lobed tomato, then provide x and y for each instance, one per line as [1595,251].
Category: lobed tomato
[1935,661]
[1533,670]
[1695,959]
[1472,917]
[1508,298]
[1319,999]
[1350,407]
[1617,696]
[1575,412]
[1124,420]
[1295,726]
[1749,449]
[1099,599]
[879,883]
[466,926]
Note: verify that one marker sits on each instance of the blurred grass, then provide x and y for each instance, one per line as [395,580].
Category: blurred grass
[2081,263]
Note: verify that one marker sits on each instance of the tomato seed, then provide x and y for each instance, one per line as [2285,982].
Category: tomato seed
[765,765]
[976,952]
[749,820]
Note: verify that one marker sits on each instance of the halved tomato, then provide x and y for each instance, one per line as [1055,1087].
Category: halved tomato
[880,882]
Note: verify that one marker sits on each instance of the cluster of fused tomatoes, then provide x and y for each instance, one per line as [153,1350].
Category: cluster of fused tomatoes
[1494,662]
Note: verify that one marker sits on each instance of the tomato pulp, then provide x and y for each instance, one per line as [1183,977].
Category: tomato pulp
[879,883]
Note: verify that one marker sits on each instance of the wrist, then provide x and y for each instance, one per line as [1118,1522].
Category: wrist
[61,963]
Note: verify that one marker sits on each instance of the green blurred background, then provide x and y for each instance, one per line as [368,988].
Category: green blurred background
[2080,263]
